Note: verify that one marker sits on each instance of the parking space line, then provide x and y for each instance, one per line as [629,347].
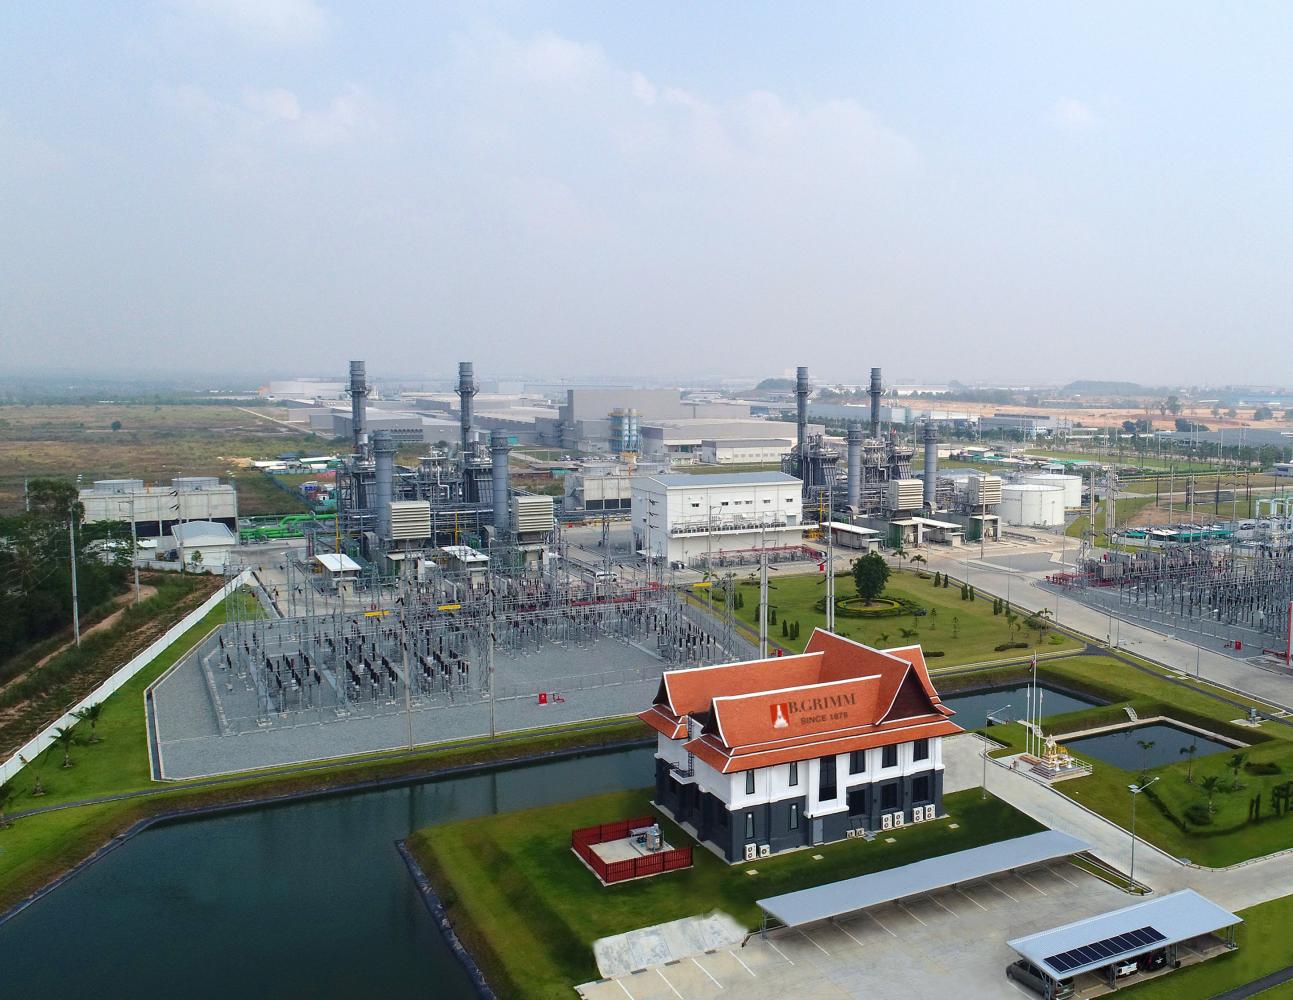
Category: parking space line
[972,899]
[696,962]
[620,983]
[1002,891]
[910,914]
[667,983]
[857,941]
[880,925]
[942,907]
[1059,876]
[1030,885]
[778,951]
[742,964]
[805,936]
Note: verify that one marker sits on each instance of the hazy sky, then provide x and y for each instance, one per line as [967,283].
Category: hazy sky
[960,190]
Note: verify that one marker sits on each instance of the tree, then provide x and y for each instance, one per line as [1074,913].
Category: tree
[1145,747]
[91,714]
[956,626]
[944,581]
[1235,763]
[1189,752]
[965,592]
[870,574]
[65,736]
[785,629]
[116,425]
[1210,784]
[900,552]
[1263,413]
[196,558]
[8,791]
[883,637]
[971,593]
[937,578]
[917,558]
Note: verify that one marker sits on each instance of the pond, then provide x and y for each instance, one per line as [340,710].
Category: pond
[972,707]
[301,899]
[1121,748]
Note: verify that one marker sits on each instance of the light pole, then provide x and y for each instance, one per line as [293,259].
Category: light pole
[1135,793]
[988,718]
[71,539]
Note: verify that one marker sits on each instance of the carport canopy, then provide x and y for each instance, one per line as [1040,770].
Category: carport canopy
[838,899]
[1099,941]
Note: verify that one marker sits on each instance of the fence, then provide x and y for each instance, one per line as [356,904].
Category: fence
[583,840]
[39,743]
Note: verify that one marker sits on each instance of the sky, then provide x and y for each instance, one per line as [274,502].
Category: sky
[972,191]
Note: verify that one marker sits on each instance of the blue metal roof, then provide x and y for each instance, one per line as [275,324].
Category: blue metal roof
[1102,940]
[851,895]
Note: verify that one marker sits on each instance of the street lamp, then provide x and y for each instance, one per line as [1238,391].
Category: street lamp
[1135,793]
[985,751]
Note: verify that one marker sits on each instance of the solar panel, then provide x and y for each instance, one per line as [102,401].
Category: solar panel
[1098,952]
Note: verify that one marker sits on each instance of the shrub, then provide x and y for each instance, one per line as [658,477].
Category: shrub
[933,652]
[1010,645]
[1259,767]
[1198,814]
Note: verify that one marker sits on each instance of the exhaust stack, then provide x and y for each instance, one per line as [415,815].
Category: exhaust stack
[384,457]
[876,391]
[931,465]
[498,450]
[855,464]
[802,389]
[359,406]
[466,394]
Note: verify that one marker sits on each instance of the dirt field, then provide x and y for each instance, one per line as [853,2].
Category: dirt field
[154,443]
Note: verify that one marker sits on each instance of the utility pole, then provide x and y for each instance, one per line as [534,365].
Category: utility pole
[830,566]
[489,647]
[763,597]
[71,537]
[404,646]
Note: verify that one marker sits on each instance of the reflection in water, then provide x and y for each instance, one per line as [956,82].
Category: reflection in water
[303,899]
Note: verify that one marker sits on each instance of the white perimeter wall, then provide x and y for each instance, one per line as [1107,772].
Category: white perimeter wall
[40,743]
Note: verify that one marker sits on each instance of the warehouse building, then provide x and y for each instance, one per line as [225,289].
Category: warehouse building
[157,509]
[681,518]
[772,755]
[751,450]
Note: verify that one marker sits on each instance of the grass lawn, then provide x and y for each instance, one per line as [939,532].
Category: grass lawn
[1160,815]
[1127,508]
[963,631]
[529,910]
[1263,948]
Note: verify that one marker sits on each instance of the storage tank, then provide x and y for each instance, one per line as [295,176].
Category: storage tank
[1032,505]
[1071,485]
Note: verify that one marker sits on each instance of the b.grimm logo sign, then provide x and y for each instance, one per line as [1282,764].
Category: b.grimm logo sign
[809,710]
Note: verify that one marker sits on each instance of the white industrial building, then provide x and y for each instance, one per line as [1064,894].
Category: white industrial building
[157,509]
[683,519]
[682,441]
[729,451]
[201,543]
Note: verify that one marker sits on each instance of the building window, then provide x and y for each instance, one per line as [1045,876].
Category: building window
[749,826]
[794,816]
[794,773]
[749,782]
[889,797]
[920,789]
[889,756]
[920,750]
[826,778]
[857,762]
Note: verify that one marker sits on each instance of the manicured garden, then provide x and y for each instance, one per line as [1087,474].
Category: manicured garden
[529,910]
[1201,807]
[952,628]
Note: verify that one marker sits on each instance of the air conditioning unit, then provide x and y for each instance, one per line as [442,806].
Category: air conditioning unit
[898,820]
[765,851]
[930,813]
[751,852]
[851,834]
[917,813]
[886,822]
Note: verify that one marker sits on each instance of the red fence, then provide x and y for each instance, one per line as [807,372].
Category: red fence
[582,841]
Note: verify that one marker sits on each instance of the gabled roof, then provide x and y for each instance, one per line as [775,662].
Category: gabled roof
[836,697]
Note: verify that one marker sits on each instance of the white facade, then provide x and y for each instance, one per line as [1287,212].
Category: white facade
[156,508]
[1032,505]
[743,450]
[685,518]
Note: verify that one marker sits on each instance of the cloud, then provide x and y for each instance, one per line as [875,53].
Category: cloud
[1074,115]
[263,22]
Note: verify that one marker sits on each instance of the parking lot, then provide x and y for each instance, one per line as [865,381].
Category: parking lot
[949,943]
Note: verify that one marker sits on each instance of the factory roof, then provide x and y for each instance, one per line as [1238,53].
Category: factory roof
[1100,941]
[853,529]
[744,442]
[193,534]
[335,562]
[837,899]
[465,553]
[725,479]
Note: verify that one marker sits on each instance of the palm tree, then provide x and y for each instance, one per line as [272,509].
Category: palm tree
[1190,751]
[918,558]
[900,552]
[1210,784]
[883,637]
[1235,763]
[65,736]
[8,791]
[91,714]
[1145,747]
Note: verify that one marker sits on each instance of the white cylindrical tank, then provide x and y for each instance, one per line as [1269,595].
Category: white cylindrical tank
[1032,504]
[1071,485]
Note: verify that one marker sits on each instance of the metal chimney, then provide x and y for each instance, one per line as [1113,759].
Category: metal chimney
[802,389]
[931,465]
[855,464]
[876,391]
[359,406]
[498,449]
[466,393]
[384,457]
